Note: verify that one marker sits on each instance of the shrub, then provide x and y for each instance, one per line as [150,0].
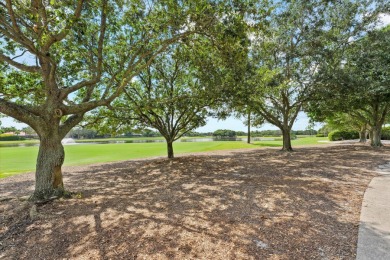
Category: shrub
[320,135]
[343,135]
[386,133]
[224,133]
[266,133]
[12,138]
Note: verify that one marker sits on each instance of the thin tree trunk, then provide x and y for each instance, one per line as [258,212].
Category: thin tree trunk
[286,140]
[48,175]
[170,150]
[370,134]
[249,128]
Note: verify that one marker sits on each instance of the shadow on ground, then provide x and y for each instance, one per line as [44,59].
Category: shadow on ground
[259,204]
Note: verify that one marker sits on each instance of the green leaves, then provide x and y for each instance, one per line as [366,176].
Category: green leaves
[356,89]
[166,96]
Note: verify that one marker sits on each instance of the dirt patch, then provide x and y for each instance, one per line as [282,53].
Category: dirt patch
[256,204]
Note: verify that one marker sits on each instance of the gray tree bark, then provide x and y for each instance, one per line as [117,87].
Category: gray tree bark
[51,155]
[375,136]
[170,150]
[363,134]
[286,140]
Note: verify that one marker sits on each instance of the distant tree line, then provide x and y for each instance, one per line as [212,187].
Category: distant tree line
[27,131]
[85,133]
[81,133]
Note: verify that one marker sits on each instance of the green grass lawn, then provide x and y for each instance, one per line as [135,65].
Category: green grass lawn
[14,160]
[118,139]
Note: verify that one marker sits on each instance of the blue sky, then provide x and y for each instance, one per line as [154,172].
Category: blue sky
[234,124]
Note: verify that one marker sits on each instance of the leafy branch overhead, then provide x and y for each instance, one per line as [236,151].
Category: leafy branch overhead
[167,96]
[358,85]
[166,63]
[62,59]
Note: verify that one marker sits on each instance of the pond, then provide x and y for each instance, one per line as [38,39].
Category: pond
[70,141]
[5,144]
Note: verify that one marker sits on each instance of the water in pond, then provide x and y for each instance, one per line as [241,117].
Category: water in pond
[211,139]
[18,144]
[70,141]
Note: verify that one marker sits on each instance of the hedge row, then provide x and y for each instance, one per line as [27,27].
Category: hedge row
[349,135]
[12,138]
[343,135]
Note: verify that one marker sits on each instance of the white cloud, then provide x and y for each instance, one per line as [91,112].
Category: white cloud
[384,20]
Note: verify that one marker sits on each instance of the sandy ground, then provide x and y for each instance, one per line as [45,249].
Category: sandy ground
[242,204]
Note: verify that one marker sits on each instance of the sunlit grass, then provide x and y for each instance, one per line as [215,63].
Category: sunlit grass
[14,160]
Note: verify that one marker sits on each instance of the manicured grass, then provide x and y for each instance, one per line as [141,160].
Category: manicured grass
[15,160]
[118,139]
[22,159]
[309,140]
[304,140]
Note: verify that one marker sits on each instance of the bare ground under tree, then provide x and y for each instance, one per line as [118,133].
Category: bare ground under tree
[247,204]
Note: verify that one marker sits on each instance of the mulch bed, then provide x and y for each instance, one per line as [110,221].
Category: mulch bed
[243,204]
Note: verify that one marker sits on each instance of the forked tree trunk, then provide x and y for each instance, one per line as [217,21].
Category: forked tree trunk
[375,136]
[48,175]
[170,150]
[286,140]
[363,134]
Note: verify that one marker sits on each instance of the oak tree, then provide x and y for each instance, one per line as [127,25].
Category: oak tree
[358,84]
[62,59]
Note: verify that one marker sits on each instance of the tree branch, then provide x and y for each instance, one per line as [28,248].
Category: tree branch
[69,123]
[96,78]
[18,65]
[14,30]
[60,36]
[20,113]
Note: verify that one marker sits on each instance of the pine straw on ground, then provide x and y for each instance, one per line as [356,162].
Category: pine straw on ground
[247,204]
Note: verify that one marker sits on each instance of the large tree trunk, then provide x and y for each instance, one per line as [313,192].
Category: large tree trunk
[170,150]
[286,140]
[375,137]
[378,117]
[48,175]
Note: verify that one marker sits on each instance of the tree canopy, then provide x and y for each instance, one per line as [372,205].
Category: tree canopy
[301,36]
[167,96]
[64,58]
[358,85]
[60,60]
